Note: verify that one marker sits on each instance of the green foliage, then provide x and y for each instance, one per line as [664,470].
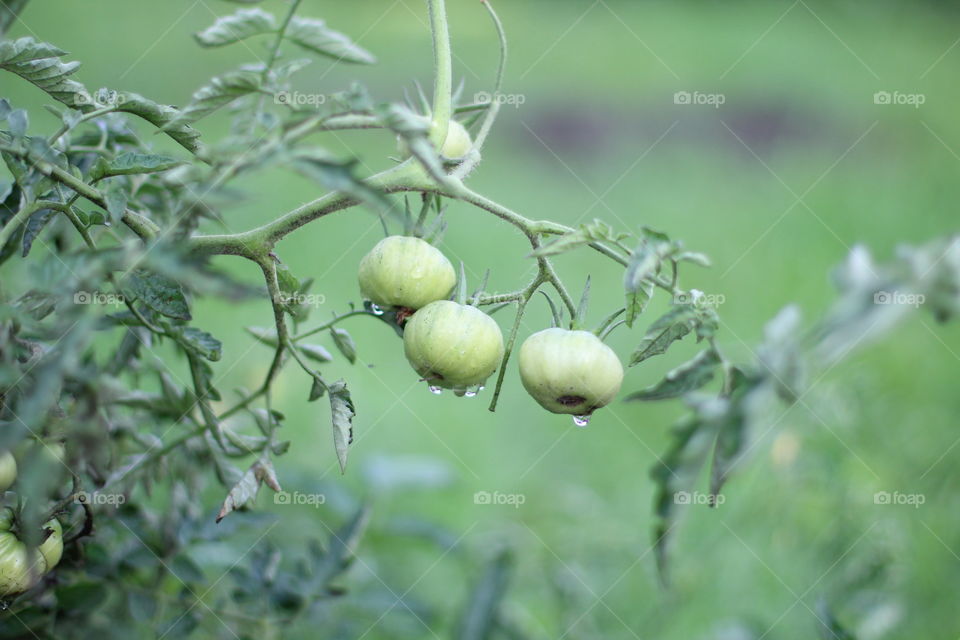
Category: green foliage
[99,348]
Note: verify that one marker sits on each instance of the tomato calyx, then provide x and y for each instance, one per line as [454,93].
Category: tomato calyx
[403,314]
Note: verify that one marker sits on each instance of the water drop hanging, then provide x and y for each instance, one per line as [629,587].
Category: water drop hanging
[435,390]
[581,421]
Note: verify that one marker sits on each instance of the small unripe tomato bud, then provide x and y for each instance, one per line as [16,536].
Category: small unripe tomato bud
[8,470]
[453,346]
[402,271]
[569,371]
[456,145]
[458,142]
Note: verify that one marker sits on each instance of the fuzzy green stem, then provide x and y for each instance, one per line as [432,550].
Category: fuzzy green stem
[442,72]
[140,225]
[18,219]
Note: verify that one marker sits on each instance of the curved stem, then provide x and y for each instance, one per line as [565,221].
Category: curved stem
[526,295]
[328,325]
[18,219]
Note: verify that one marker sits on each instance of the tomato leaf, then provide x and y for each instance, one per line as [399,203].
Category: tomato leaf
[686,378]
[243,24]
[344,343]
[479,619]
[315,36]
[160,293]
[341,406]
[131,163]
[667,329]
[245,491]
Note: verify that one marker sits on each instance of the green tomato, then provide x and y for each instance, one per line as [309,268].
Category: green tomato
[456,145]
[453,346]
[8,470]
[21,568]
[52,548]
[458,142]
[401,271]
[569,371]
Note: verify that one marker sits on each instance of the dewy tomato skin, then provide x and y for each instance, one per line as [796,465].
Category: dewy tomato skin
[20,568]
[403,271]
[453,346]
[8,470]
[570,372]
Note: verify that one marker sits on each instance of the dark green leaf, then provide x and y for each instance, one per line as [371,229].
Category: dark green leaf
[317,390]
[314,35]
[670,327]
[40,64]
[245,491]
[638,300]
[235,27]
[587,233]
[160,293]
[345,344]
[343,411]
[164,117]
[116,201]
[340,551]
[481,612]
[688,377]
[580,319]
[219,92]
[131,163]
[35,224]
[201,343]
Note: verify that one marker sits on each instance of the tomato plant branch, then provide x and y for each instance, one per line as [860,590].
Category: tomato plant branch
[328,325]
[18,219]
[139,224]
[522,302]
[66,127]
[442,72]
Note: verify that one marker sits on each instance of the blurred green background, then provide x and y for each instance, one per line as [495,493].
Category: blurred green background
[797,165]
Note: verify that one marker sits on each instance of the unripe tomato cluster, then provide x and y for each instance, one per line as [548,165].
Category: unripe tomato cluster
[457,346]
[20,567]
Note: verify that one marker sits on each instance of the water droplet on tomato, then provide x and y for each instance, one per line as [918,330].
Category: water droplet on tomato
[377,311]
[581,421]
[435,390]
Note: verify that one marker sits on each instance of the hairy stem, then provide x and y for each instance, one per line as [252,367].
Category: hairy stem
[442,72]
